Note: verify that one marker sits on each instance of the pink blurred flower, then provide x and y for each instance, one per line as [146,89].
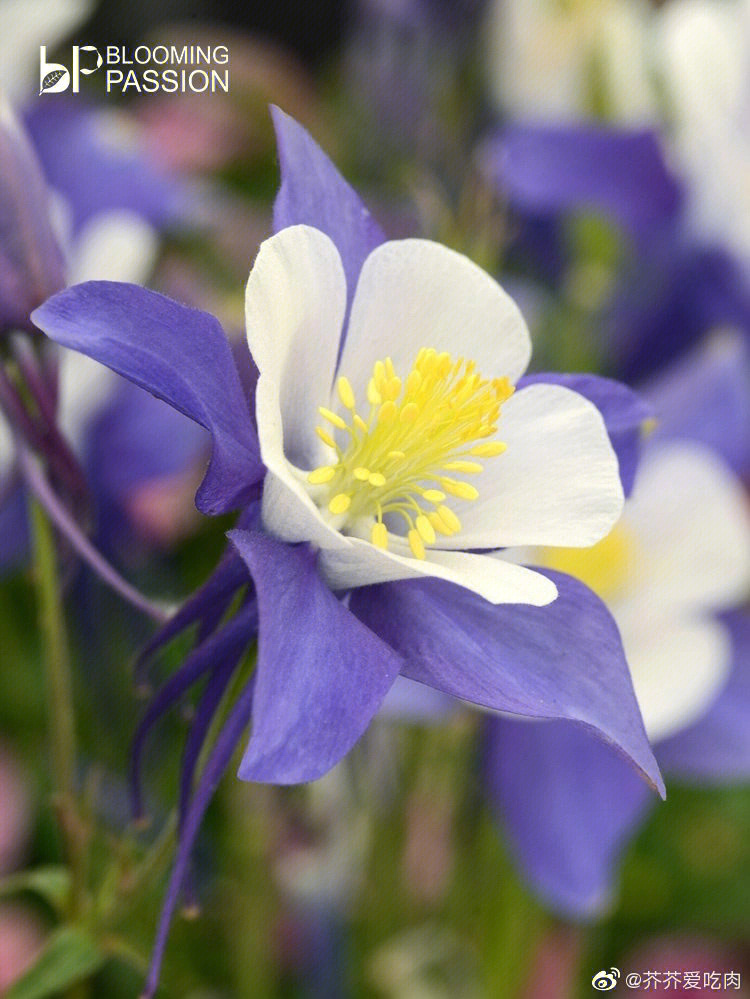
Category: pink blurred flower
[21,938]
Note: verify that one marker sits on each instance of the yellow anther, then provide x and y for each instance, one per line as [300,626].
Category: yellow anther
[392,388]
[416,544]
[413,382]
[388,412]
[376,479]
[489,450]
[433,496]
[325,437]
[389,369]
[340,503]
[449,518]
[379,535]
[425,528]
[361,473]
[396,455]
[409,412]
[373,396]
[444,364]
[469,467]
[440,526]
[360,424]
[346,392]
[463,490]
[319,476]
[333,418]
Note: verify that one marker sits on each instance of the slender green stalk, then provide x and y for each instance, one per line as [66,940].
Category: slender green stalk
[60,699]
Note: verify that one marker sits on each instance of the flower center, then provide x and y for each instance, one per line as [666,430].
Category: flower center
[397,466]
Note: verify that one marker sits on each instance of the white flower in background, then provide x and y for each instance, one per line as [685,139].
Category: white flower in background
[384,483]
[114,245]
[703,61]
[24,26]
[680,552]
[553,60]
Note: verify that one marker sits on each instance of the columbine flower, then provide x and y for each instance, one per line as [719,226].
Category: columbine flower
[379,472]
[370,448]
[680,554]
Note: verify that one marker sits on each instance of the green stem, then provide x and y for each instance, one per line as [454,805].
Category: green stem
[60,699]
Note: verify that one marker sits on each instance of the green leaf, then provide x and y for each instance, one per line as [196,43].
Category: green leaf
[69,956]
[51,883]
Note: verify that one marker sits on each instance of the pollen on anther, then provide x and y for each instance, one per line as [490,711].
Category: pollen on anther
[437,522]
[425,528]
[340,503]
[468,467]
[387,412]
[449,518]
[489,450]
[362,474]
[433,496]
[376,479]
[416,544]
[325,437]
[333,418]
[379,536]
[319,476]
[346,392]
[463,490]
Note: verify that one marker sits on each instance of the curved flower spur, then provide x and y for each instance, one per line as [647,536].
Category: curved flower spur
[363,551]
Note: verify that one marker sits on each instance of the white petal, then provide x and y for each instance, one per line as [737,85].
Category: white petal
[413,293]
[679,667]
[690,520]
[289,513]
[557,483]
[498,581]
[114,246]
[294,308]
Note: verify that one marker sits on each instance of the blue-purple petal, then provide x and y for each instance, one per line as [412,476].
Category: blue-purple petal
[225,644]
[670,300]
[549,169]
[216,764]
[623,410]
[180,355]
[717,747]
[313,192]
[321,674]
[562,661]
[31,262]
[569,805]
[705,397]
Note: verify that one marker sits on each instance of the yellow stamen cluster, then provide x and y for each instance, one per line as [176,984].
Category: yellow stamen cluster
[436,421]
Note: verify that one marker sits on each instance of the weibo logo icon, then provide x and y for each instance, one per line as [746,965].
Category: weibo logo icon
[605,981]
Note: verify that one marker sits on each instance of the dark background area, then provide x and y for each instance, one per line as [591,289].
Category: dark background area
[310,28]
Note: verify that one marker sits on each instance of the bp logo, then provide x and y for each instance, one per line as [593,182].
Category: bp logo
[54,78]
